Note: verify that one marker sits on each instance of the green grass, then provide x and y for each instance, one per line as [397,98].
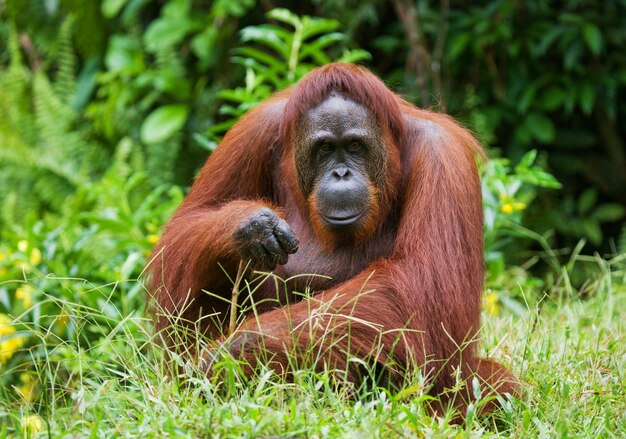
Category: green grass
[569,348]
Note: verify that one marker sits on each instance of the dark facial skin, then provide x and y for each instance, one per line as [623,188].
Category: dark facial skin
[340,158]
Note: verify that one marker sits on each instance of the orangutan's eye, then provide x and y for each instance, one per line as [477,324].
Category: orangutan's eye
[354,147]
[324,149]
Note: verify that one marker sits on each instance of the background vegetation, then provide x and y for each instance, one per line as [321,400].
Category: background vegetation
[108,109]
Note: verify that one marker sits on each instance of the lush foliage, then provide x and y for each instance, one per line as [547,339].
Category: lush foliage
[553,78]
[107,109]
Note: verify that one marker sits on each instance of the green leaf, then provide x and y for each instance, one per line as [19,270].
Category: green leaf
[124,54]
[235,8]
[538,177]
[609,212]
[260,56]
[458,45]
[593,38]
[495,263]
[177,9]
[527,160]
[269,37]
[552,99]
[587,97]
[527,98]
[263,73]
[587,200]
[135,259]
[543,179]
[386,43]
[355,55]
[106,223]
[277,32]
[319,26]
[204,142]
[315,49]
[572,55]
[166,32]
[163,123]
[592,231]
[325,40]
[571,18]
[110,8]
[285,16]
[541,127]
[86,83]
[203,44]
[547,39]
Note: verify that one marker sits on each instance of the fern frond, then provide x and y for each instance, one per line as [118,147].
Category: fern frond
[15,54]
[43,156]
[65,82]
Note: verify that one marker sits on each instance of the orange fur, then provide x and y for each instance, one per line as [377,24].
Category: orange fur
[409,289]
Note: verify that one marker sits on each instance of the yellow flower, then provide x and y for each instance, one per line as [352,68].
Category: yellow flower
[22,246]
[5,325]
[518,205]
[35,256]
[506,208]
[25,294]
[9,344]
[510,204]
[2,256]
[9,347]
[492,303]
[29,388]
[152,238]
[32,425]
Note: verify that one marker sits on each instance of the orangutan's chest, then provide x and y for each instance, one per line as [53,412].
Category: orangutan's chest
[318,268]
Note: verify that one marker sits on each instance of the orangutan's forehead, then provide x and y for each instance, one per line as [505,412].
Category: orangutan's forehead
[337,111]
